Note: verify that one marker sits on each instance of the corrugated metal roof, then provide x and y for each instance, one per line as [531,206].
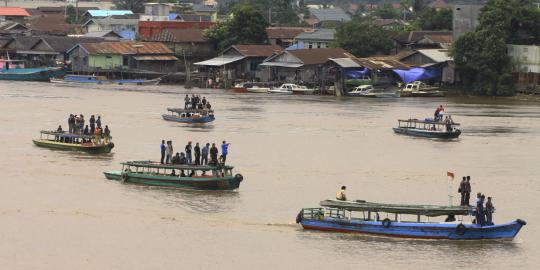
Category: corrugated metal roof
[107,12]
[437,55]
[13,11]
[320,34]
[126,47]
[330,14]
[319,56]
[220,60]
[281,64]
[180,36]
[373,63]
[345,62]
[156,58]
[285,32]
[257,50]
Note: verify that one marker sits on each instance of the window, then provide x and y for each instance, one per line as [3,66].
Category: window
[525,49]
[125,60]
[319,45]
[310,45]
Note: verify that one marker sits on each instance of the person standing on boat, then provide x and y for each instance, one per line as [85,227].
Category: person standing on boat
[213,154]
[197,150]
[468,191]
[169,152]
[224,151]
[490,209]
[92,124]
[81,123]
[107,133]
[341,196]
[186,102]
[480,210]
[204,154]
[462,189]
[162,147]
[98,122]
[208,106]
[71,123]
[188,153]
[203,101]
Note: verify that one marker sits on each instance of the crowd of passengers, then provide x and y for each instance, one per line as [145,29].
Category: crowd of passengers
[483,211]
[196,102]
[194,155]
[76,124]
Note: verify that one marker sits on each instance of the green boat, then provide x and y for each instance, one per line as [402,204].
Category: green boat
[207,177]
[74,142]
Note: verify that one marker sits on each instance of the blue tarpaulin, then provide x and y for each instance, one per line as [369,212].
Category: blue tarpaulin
[127,34]
[295,47]
[356,73]
[417,74]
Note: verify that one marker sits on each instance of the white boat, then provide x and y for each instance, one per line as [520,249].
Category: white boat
[258,89]
[420,89]
[284,89]
[301,90]
[370,91]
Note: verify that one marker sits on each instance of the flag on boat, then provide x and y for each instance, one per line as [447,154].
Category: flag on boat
[450,175]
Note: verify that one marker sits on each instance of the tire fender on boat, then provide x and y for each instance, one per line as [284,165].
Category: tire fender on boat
[239,177]
[460,229]
[386,222]
[124,177]
[300,216]
[521,221]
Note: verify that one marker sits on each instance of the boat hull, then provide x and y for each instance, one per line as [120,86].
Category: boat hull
[205,183]
[279,92]
[450,231]
[427,133]
[258,90]
[31,74]
[189,120]
[88,147]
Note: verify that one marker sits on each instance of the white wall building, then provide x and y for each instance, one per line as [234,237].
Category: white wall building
[526,58]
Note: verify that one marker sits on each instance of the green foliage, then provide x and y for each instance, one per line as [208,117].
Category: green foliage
[431,19]
[386,11]
[71,15]
[244,26]
[362,37]
[137,6]
[276,12]
[481,55]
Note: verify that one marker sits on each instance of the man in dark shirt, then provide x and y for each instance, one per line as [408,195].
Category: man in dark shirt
[188,153]
[213,154]
[468,191]
[162,147]
[92,124]
[197,150]
[461,190]
[204,154]
[490,209]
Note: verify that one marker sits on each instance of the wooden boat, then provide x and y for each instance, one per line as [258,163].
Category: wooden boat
[240,88]
[428,128]
[185,176]
[14,70]
[420,89]
[364,217]
[370,91]
[101,80]
[73,142]
[189,116]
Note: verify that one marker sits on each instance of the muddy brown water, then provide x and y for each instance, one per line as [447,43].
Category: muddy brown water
[57,211]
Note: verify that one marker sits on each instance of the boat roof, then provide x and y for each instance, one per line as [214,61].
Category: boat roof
[431,122]
[67,135]
[182,110]
[157,165]
[424,210]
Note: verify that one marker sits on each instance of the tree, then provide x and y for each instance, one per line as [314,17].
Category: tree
[244,26]
[432,19]
[137,6]
[278,12]
[386,11]
[481,55]
[71,15]
[362,37]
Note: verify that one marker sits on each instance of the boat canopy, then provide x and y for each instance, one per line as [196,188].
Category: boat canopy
[156,165]
[67,135]
[182,110]
[417,74]
[424,210]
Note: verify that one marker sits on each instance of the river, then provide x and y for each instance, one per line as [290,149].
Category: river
[57,211]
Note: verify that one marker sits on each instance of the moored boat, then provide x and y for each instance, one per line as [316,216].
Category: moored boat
[370,91]
[74,142]
[284,89]
[101,80]
[206,177]
[240,88]
[420,89]
[189,116]
[405,221]
[428,128]
[15,70]
[258,89]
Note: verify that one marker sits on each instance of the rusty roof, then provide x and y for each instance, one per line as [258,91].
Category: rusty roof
[257,50]
[285,32]
[126,47]
[180,36]
[13,11]
[440,38]
[52,24]
[319,56]
[380,63]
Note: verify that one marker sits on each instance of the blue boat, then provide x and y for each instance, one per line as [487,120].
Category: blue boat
[14,70]
[189,116]
[428,128]
[364,217]
[101,80]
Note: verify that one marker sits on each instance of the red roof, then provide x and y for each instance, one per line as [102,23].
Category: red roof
[257,50]
[285,32]
[13,11]
[126,47]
